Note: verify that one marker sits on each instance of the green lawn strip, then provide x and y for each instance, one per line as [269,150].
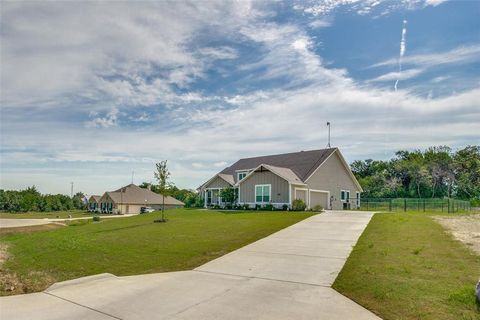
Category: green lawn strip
[405,266]
[42,215]
[135,245]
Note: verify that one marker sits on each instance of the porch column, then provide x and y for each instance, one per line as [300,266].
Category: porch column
[205,198]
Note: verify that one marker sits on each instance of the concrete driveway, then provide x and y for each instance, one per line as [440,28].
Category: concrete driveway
[284,276]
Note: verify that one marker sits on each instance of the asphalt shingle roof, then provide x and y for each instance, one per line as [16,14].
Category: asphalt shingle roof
[302,163]
[133,194]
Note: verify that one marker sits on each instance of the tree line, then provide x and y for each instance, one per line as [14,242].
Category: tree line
[436,172]
[32,200]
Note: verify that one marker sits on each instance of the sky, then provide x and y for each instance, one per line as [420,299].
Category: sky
[93,91]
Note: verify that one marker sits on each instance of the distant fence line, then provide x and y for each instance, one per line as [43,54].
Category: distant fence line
[409,204]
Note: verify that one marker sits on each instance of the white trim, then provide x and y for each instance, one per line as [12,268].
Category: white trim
[211,179]
[289,194]
[266,166]
[345,164]
[269,193]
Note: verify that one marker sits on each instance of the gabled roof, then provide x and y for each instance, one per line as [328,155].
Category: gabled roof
[302,163]
[95,198]
[284,173]
[228,178]
[133,194]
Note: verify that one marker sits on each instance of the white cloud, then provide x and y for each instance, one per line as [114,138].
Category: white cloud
[391,76]
[459,55]
[320,23]
[109,120]
[434,2]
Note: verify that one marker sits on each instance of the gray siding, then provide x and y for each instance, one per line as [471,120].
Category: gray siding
[333,176]
[279,187]
[218,183]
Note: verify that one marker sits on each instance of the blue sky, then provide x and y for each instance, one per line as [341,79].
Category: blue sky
[93,91]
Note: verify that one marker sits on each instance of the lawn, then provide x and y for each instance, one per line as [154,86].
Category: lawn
[132,245]
[405,266]
[42,215]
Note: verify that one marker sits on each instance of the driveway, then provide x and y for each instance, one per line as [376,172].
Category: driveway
[286,275]
[14,223]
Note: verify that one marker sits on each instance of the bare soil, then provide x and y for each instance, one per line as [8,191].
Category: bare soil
[464,228]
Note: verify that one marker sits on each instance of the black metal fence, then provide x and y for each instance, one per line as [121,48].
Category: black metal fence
[413,204]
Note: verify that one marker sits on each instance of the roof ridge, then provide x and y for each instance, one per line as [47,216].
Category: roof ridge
[286,153]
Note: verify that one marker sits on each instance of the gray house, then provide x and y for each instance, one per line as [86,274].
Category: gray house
[318,177]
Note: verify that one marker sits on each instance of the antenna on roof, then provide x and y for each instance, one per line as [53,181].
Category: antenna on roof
[328,125]
[133,172]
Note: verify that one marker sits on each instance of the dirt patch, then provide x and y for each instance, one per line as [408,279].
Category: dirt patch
[464,228]
[9,283]
[43,227]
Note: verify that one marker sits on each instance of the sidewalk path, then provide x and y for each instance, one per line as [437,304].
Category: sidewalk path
[14,223]
[286,275]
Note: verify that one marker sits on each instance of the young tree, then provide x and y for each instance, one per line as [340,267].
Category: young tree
[162,175]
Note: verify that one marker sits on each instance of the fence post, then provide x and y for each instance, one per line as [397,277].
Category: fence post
[423,205]
[390,205]
[448,202]
[367,204]
[405,205]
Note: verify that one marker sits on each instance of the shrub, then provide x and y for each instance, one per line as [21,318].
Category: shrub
[285,207]
[96,218]
[268,207]
[246,206]
[317,208]
[258,206]
[298,205]
[228,206]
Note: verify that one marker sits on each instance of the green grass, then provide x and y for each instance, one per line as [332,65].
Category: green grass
[42,215]
[405,266]
[133,245]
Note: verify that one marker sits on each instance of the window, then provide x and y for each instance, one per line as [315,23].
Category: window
[345,195]
[241,175]
[358,199]
[262,193]
[209,196]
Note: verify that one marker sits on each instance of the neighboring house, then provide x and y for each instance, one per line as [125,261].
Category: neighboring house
[93,203]
[318,177]
[131,198]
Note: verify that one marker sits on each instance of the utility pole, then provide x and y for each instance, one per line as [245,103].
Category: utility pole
[71,189]
[328,125]
[133,171]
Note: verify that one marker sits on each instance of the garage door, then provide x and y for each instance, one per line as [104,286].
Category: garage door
[318,198]
[301,194]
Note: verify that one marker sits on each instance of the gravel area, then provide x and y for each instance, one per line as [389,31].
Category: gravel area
[464,228]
